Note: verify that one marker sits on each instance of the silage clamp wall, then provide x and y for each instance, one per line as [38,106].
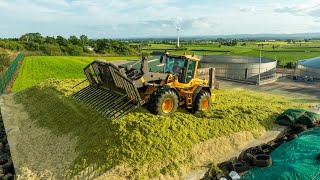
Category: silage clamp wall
[7,76]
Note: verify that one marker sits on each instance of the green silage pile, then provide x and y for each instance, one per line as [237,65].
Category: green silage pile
[147,144]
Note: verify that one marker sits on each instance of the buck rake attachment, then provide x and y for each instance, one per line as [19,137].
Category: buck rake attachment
[111,93]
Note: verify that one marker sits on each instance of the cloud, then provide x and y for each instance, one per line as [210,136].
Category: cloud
[134,18]
[248,9]
[295,10]
[315,12]
[303,9]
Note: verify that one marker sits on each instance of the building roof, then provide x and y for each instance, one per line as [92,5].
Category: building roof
[313,62]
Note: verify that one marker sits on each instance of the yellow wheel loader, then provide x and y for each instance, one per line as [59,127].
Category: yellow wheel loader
[116,90]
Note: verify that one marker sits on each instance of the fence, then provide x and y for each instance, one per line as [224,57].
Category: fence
[7,76]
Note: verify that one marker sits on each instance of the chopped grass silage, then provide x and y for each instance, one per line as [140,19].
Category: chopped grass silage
[147,144]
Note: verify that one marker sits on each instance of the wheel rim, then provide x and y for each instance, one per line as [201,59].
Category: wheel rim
[204,104]
[167,105]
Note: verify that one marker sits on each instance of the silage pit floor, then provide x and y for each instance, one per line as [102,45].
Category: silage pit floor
[43,147]
[36,152]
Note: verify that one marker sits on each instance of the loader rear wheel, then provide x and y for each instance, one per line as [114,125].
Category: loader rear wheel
[202,101]
[164,102]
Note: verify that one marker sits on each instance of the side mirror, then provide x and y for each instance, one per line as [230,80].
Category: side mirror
[161,59]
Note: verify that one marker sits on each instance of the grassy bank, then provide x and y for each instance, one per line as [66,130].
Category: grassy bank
[6,58]
[36,69]
[148,145]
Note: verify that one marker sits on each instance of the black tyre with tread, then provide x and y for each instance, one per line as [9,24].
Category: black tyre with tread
[242,166]
[248,154]
[6,164]
[262,160]
[280,140]
[8,176]
[226,167]
[291,137]
[266,148]
[202,101]
[276,145]
[299,128]
[157,99]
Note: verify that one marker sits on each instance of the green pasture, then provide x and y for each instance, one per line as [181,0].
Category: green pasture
[36,69]
[146,144]
[283,51]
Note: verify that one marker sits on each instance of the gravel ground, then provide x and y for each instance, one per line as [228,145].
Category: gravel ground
[300,91]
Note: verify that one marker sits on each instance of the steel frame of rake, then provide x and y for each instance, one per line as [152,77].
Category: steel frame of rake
[108,104]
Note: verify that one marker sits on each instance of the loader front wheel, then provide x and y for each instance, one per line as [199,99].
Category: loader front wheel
[164,102]
[202,101]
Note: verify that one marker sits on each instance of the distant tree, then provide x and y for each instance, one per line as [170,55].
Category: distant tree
[106,46]
[72,45]
[74,40]
[61,41]
[261,46]
[232,42]
[32,37]
[50,40]
[50,49]
[74,50]
[84,39]
[32,46]
[14,46]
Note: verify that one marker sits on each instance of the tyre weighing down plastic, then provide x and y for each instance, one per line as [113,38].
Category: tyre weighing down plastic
[6,164]
[296,159]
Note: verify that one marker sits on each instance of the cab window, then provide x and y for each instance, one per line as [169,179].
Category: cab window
[173,65]
[190,71]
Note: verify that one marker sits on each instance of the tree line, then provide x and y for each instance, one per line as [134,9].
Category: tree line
[35,43]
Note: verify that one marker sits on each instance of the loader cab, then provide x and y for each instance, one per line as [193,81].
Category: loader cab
[182,66]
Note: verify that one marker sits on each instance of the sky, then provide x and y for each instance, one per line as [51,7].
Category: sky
[157,18]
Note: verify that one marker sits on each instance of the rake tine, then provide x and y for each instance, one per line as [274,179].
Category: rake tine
[120,107]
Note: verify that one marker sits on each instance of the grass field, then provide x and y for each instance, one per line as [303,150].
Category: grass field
[146,144]
[283,52]
[36,69]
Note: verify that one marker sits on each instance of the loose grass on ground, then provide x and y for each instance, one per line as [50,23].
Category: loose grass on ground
[36,69]
[148,145]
